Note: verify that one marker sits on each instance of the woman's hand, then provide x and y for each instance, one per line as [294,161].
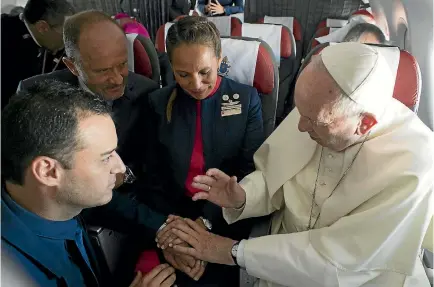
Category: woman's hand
[216,8]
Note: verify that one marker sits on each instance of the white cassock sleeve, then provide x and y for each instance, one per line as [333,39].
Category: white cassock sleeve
[258,202]
[377,244]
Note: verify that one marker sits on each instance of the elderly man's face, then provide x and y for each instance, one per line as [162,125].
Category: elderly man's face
[103,65]
[316,94]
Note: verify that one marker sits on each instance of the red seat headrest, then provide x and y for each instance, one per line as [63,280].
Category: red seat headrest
[363,12]
[408,82]
[220,22]
[263,78]
[287,44]
[160,41]
[320,33]
[142,63]
[297,32]
[331,23]
[264,73]
[321,25]
[236,26]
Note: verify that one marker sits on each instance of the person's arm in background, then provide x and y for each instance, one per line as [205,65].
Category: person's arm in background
[201,6]
[124,214]
[237,8]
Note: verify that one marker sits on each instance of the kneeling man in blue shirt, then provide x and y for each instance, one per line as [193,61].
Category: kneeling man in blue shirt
[58,157]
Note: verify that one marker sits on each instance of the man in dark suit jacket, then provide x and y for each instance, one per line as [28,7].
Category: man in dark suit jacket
[32,42]
[98,62]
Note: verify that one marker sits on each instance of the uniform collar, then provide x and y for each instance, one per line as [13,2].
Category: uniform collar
[213,92]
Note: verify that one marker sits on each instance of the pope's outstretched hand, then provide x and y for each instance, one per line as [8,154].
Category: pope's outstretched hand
[219,188]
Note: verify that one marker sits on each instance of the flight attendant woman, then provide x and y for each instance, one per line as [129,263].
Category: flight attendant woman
[202,121]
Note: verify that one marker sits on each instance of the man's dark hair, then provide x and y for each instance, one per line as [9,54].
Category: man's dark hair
[43,121]
[358,30]
[193,30]
[51,11]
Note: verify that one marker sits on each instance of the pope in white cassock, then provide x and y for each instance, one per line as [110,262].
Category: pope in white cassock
[348,178]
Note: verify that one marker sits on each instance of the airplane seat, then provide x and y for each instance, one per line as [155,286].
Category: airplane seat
[293,24]
[324,28]
[235,29]
[250,61]
[329,26]
[130,23]
[331,23]
[160,37]
[227,25]
[281,41]
[365,14]
[319,33]
[339,23]
[142,57]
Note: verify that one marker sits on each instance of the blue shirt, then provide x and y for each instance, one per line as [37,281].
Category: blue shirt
[54,234]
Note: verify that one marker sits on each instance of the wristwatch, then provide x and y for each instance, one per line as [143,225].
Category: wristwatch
[234,252]
[207,223]
[129,176]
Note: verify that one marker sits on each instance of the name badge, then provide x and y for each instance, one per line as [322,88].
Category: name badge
[231,111]
[230,107]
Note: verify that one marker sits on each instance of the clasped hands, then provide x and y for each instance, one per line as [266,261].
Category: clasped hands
[166,240]
[188,246]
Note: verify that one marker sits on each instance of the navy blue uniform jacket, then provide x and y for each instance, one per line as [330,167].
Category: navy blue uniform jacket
[229,143]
